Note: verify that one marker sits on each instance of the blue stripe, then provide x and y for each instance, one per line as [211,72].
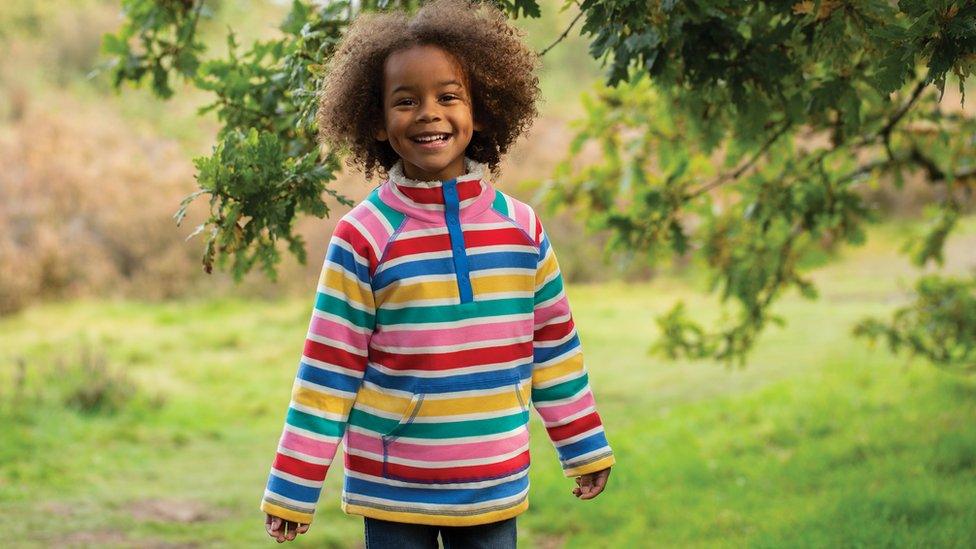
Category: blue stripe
[542,354]
[344,258]
[291,490]
[509,260]
[451,213]
[455,496]
[580,447]
[543,247]
[480,380]
[410,269]
[327,378]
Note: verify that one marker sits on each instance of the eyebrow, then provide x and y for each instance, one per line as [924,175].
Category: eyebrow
[439,84]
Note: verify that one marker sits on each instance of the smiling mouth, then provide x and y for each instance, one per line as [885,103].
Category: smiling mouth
[431,138]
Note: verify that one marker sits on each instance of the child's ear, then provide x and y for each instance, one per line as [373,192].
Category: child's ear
[381,134]
[478,126]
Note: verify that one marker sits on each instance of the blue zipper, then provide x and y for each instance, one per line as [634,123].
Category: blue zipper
[452,217]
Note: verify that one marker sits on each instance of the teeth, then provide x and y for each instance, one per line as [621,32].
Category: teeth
[430,138]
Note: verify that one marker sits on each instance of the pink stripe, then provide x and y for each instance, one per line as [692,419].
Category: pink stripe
[440,452]
[552,413]
[453,336]
[377,230]
[305,445]
[337,331]
[554,309]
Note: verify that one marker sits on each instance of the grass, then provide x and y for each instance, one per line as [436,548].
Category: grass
[819,442]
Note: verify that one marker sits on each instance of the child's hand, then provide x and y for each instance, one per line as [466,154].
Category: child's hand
[283,530]
[590,485]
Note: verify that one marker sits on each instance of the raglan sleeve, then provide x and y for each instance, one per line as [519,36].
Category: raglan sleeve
[561,390]
[328,379]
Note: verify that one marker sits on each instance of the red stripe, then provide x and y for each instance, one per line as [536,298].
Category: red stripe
[417,245]
[467,473]
[554,332]
[333,355]
[435,195]
[299,468]
[575,427]
[494,237]
[457,359]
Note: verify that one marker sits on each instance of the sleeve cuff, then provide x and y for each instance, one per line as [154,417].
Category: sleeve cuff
[589,467]
[285,513]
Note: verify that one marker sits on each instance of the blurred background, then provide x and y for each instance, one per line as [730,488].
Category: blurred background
[141,398]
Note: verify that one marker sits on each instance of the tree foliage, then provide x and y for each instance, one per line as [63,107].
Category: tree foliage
[741,132]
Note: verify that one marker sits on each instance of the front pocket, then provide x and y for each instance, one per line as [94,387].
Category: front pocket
[450,451]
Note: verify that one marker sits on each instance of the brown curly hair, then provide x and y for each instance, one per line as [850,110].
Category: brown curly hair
[498,65]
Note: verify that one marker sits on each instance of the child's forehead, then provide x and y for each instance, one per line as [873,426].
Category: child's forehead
[422,65]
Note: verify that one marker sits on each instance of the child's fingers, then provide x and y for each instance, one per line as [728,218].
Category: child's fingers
[302,528]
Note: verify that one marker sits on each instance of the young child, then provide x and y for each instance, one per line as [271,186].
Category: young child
[440,314]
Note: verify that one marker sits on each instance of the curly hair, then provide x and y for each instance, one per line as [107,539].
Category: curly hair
[499,67]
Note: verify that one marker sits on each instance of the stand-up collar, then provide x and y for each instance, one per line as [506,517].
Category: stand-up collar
[469,193]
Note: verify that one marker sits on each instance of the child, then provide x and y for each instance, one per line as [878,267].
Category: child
[440,314]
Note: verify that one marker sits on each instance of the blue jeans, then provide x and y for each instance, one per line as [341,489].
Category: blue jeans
[384,534]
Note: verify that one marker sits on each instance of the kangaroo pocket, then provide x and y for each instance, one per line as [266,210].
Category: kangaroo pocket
[450,438]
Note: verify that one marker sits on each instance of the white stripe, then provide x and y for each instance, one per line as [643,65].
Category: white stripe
[309,434]
[317,413]
[300,456]
[570,376]
[583,457]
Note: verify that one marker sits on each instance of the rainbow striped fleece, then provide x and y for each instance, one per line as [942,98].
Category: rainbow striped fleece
[440,316]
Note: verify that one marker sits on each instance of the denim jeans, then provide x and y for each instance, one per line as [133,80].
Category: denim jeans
[384,534]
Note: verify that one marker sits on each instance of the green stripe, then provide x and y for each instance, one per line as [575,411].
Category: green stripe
[314,424]
[443,429]
[455,313]
[392,216]
[331,304]
[550,290]
[499,204]
[563,390]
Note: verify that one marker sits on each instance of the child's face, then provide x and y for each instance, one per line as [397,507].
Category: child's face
[425,93]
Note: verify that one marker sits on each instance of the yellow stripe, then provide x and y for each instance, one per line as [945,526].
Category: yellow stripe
[548,266]
[346,285]
[321,401]
[559,369]
[287,514]
[436,520]
[444,407]
[433,289]
[502,283]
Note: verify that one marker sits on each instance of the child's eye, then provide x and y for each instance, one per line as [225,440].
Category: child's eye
[449,97]
[402,102]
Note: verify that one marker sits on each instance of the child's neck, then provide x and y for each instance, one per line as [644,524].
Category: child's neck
[453,170]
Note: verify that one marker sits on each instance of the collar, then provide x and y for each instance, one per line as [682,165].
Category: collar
[429,200]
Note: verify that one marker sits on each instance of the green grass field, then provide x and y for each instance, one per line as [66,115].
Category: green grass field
[818,442]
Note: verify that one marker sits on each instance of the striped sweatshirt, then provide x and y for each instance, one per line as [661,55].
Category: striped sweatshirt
[439,320]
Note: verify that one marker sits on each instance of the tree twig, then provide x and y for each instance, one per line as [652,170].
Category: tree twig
[564,34]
